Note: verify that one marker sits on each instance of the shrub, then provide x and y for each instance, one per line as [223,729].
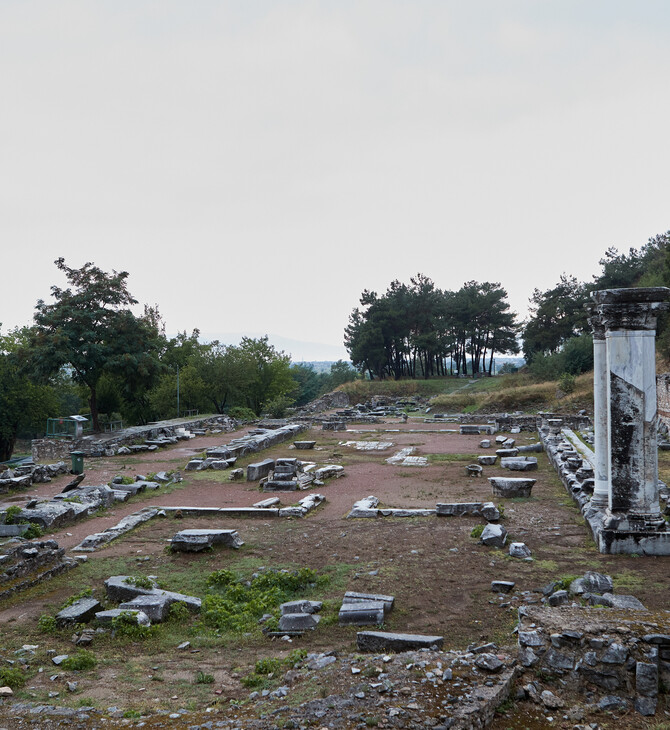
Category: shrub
[33,530]
[80,661]
[240,413]
[11,513]
[477,531]
[127,480]
[12,677]
[236,605]
[295,657]
[47,624]
[202,678]
[125,624]
[140,581]
[567,383]
[85,593]
[179,613]
[278,406]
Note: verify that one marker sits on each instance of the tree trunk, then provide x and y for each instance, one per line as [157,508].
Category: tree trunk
[93,403]
[7,447]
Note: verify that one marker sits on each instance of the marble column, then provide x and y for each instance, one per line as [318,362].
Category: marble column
[629,317]
[600,498]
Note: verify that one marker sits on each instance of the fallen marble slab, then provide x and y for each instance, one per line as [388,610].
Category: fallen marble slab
[368,445]
[94,541]
[298,621]
[519,463]
[383,641]
[106,617]
[79,612]
[354,597]
[300,606]
[193,541]
[488,510]
[120,590]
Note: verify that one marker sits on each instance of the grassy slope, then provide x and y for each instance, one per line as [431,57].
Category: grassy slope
[486,395]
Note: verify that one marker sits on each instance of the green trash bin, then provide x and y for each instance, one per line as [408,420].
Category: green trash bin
[77,462]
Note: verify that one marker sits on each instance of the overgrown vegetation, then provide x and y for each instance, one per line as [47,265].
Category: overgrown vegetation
[234,604]
[80,661]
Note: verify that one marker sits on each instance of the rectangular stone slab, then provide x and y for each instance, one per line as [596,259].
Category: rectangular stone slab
[81,611]
[353,597]
[259,470]
[377,641]
[364,613]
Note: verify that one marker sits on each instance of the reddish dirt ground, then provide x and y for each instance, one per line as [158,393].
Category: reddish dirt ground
[440,575]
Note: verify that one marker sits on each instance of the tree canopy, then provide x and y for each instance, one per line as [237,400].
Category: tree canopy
[90,330]
[417,330]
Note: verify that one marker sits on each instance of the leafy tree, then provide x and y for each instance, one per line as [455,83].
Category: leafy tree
[270,372]
[90,330]
[341,372]
[227,373]
[24,406]
[309,383]
[556,315]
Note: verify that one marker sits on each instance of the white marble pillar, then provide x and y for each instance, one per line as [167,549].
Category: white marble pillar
[629,317]
[600,498]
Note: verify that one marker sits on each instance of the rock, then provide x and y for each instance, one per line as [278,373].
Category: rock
[613,704]
[646,679]
[615,654]
[559,598]
[58,660]
[106,617]
[646,705]
[502,586]
[487,460]
[592,582]
[622,601]
[489,662]
[6,692]
[551,701]
[519,550]
[485,444]
[494,535]
[304,444]
[382,641]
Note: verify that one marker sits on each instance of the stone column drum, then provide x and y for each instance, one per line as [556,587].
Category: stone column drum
[629,317]
[600,498]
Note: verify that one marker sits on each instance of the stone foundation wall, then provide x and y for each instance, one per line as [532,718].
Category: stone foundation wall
[599,651]
[45,450]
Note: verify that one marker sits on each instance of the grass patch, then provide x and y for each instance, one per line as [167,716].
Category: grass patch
[80,661]
[452,458]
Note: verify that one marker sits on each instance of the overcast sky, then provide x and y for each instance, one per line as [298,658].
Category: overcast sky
[256,165]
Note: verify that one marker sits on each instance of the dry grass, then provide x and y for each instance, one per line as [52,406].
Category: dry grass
[526,397]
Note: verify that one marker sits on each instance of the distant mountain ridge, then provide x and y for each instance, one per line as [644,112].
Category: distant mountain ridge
[301,351]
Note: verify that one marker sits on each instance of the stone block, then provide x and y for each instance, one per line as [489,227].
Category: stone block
[485,444]
[363,613]
[494,535]
[256,472]
[622,601]
[383,641]
[510,487]
[79,612]
[507,453]
[197,540]
[487,460]
[354,597]
[519,550]
[106,617]
[298,621]
[156,607]
[304,445]
[502,586]
[300,606]
[519,463]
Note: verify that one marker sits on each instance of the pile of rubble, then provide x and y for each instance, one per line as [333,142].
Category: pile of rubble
[29,473]
[25,563]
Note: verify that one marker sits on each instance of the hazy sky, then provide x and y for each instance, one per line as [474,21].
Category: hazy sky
[256,165]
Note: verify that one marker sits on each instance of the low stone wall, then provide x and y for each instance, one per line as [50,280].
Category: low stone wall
[603,652]
[100,444]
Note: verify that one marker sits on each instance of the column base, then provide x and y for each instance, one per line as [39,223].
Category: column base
[630,534]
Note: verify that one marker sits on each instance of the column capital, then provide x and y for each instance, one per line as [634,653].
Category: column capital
[631,309]
[595,321]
